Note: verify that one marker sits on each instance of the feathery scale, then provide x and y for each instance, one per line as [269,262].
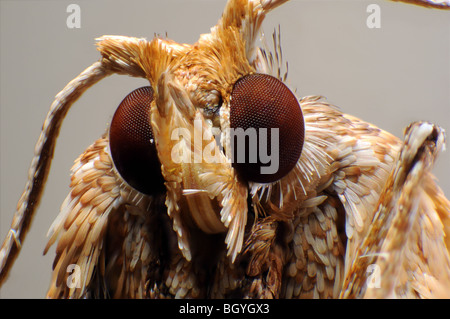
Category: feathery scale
[344,166]
[310,234]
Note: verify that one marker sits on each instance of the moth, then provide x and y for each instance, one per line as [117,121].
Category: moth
[353,198]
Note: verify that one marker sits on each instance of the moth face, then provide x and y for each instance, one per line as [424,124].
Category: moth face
[265,122]
[213,129]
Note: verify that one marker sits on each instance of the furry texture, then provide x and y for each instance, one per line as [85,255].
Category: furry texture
[357,197]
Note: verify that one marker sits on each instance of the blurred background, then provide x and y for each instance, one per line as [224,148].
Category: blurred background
[389,76]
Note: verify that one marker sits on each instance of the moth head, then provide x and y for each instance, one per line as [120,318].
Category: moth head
[221,82]
[263,115]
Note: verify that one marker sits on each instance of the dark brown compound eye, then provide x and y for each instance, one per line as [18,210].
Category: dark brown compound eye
[132,143]
[268,129]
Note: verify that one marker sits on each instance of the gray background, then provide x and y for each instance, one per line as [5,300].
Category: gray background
[389,76]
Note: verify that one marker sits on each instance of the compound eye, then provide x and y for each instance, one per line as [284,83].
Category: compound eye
[265,117]
[132,143]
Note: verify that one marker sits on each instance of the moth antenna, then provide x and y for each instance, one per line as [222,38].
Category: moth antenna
[439,4]
[40,165]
